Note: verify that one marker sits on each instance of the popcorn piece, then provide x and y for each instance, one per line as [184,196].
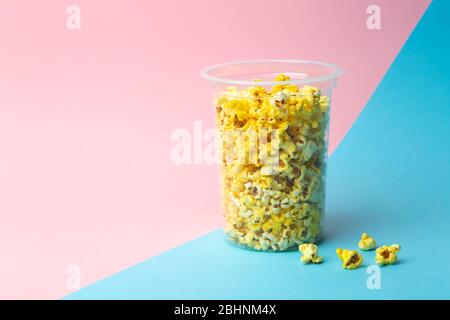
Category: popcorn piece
[324,103]
[279,99]
[309,253]
[289,147]
[267,170]
[367,242]
[237,168]
[285,203]
[351,259]
[309,150]
[387,254]
[245,213]
[282,77]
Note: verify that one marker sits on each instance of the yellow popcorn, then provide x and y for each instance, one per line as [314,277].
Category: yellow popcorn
[309,253]
[237,168]
[285,203]
[241,114]
[324,103]
[351,259]
[367,242]
[279,99]
[289,147]
[387,254]
[282,77]
[273,202]
[308,150]
[308,102]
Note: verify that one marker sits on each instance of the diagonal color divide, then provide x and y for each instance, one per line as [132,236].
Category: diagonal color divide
[86,117]
[389,178]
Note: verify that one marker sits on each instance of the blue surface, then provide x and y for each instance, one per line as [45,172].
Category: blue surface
[390,177]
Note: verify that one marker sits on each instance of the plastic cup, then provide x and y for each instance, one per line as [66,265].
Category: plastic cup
[272,118]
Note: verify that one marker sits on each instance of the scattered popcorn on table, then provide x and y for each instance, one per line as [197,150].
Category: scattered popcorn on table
[387,254]
[266,206]
[351,259]
[309,253]
[367,242]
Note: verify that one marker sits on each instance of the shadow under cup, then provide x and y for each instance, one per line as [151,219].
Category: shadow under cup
[272,119]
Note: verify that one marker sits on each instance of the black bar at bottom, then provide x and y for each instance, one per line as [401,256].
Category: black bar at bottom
[220,309]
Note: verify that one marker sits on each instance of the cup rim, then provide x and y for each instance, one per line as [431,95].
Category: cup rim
[336,72]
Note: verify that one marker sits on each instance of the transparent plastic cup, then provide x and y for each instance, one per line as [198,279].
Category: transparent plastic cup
[272,120]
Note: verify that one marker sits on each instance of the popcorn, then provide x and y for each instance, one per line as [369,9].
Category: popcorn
[237,168]
[285,203]
[387,254]
[265,201]
[279,99]
[324,103]
[351,259]
[282,77]
[309,149]
[309,253]
[367,242]
[267,170]
[245,213]
[273,203]
[289,147]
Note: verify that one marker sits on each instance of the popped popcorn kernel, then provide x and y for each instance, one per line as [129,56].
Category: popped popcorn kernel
[351,259]
[282,77]
[367,242]
[279,99]
[309,253]
[387,254]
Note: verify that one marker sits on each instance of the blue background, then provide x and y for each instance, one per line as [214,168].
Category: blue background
[390,177]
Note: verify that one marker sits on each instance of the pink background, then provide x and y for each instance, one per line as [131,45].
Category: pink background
[86,118]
